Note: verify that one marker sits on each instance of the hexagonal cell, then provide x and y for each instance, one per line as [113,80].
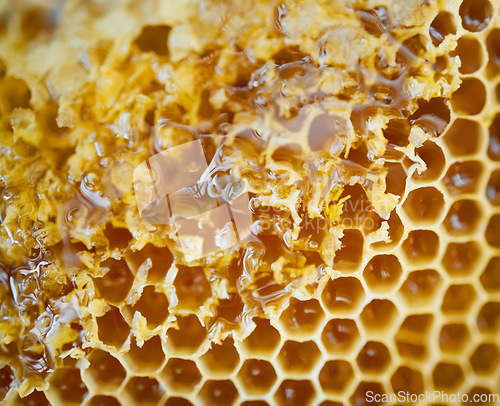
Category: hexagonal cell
[191,287]
[102,400]
[104,371]
[218,393]
[395,179]
[382,273]
[421,246]
[490,278]
[488,319]
[153,306]
[343,295]
[463,217]
[35,398]
[335,376]
[492,233]
[453,337]
[484,359]
[221,359]
[115,285]
[460,259]
[263,340]
[176,401]
[181,374]
[463,177]
[161,261]
[407,380]
[360,398]
[463,137]
[475,14]
[146,359]
[433,115]
[373,357]
[470,97]
[66,384]
[424,205]
[257,376]
[350,254]
[378,316]
[493,188]
[118,238]
[142,390]
[340,336]
[447,376]
[396,231]
[412,337]
[420,287]
[458,299]
[494,130]
[470,52]
[397,132]
[441,26]
[112,328]
[433,156]
[189,335]
[295,393]
[302,318]
[298,358]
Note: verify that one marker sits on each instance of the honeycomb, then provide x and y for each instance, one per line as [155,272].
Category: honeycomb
[368,136]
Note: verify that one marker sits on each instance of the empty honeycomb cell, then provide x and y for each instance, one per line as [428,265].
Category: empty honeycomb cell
[160,260]
[176,401]
[396,178]
[470,97]
[221,359]
[142,390]
[442,25]
[412,337]
[447,376]
[435,161]
[382,273]
[218,393]
[104,371]
[493,188]
[460,259]
[378,315]
[396,231]
[484,359]
[463,138]
[433,115]
[295,393]
[154,38]
[488,319]
[463,217]
[181,374]
[454,337]
[112,328]
[407,380]
[67,386]
[115,285]
[263,340]
[360,396]
[397,132]
[153,306]
[458,299]
[35,398]
[118,238]
[494,131]
[102,400]
[301,318]
[298,358]
[470,52]
[350,254]
[189,335]
[463,177]
[191,287]
[420,288]
[424,205]
[257,376]
[373,357]
[490,278]
[342,295]
[340,336]
[475,14]
[335,376]
[145,359]
[421,246]
[492,233]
